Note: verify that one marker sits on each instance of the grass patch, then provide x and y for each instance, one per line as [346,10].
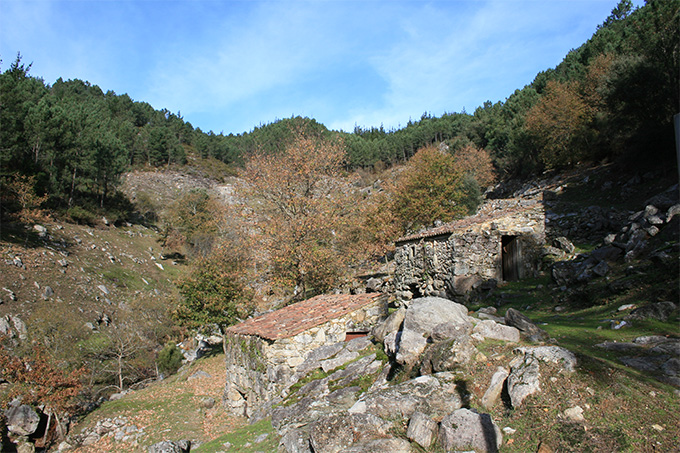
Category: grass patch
[120,276]
[259,436]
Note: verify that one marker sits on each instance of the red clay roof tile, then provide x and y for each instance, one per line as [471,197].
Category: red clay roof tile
[296,318]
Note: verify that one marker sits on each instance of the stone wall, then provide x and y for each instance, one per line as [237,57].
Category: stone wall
[259,369]
[448,263]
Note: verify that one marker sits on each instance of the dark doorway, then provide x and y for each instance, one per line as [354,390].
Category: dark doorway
[510,255]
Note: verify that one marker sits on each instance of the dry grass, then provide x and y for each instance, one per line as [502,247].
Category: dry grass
[169,410]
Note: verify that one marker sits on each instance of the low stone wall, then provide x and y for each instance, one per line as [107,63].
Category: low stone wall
[259,369]
[450,264]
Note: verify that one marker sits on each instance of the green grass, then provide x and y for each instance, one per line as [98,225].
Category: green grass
[244,440]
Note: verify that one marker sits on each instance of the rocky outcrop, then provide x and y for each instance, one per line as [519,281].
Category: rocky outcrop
[433,395]
[407,344]
[524,377]
[339,412]
[631,241]
[660,311]
[656,355]
[119,429]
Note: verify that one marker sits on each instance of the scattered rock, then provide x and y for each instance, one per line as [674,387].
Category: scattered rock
[207,402]
[373,285]
[41,230]
[10,294]
[564,244]
[516,319]
[166,446]
[47,293]
[574,414]
[509,431]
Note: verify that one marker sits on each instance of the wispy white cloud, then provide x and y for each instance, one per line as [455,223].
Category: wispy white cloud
[232,65]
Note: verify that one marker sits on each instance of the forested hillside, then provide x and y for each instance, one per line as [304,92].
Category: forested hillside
[612,98]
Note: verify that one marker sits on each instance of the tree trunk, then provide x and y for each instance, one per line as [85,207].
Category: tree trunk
[73,187]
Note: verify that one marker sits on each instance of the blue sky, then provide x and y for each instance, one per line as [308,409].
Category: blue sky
[228,66]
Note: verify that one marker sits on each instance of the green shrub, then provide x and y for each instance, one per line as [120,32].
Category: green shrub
[169,359]
[82,215]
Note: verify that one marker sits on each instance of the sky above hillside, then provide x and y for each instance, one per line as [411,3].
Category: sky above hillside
[228,66]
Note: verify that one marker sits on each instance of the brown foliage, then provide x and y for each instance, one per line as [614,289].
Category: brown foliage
[39,382]
[557,123]
[477,163]
[20,190]
[430,188]
[305,210]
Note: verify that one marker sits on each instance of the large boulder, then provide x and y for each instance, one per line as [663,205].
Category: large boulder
[448,355]
[465,428]
[433,395]
[425,313]
[335,433]
[391,324]
[420,320]
[22,420]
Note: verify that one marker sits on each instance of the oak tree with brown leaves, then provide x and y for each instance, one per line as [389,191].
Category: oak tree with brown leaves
[305,209]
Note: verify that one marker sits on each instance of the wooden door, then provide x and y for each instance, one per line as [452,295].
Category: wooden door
[510,256]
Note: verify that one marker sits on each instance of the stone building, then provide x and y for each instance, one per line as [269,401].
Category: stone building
[501,242]
[263,353]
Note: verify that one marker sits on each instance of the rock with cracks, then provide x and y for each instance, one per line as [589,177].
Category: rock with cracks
[465,429]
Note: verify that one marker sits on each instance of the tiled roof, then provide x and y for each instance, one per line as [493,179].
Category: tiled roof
[486,214]
[296,318]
